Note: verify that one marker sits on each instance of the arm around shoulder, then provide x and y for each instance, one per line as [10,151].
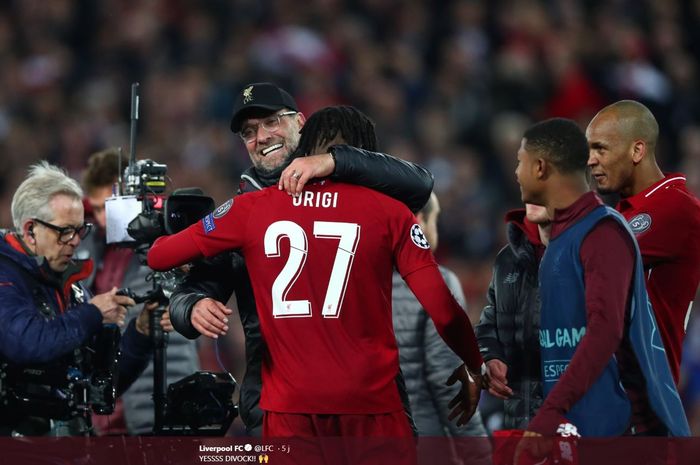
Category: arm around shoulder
[405,181]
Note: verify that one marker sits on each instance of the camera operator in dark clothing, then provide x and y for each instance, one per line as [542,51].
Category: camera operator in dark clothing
[116,265]
[268,121]
[50,322]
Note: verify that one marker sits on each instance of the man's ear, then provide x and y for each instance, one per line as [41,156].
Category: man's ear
[542,168]
[639,150]
[28,231]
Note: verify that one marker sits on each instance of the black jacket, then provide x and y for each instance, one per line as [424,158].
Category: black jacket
[397,178]
[509,325]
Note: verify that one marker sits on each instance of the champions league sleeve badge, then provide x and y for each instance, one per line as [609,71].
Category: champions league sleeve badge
[223,209]
[640,223]
[418,237]
[208,221]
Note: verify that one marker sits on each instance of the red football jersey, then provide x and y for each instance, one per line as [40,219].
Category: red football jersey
[321,269]
[665,218]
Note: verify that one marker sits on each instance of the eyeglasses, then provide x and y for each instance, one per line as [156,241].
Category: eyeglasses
[270,124]
[67,233]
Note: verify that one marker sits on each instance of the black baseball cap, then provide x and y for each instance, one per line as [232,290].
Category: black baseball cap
[260,95]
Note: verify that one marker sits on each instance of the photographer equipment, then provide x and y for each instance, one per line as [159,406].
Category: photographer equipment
[72,387]
[136,219]
[200,404]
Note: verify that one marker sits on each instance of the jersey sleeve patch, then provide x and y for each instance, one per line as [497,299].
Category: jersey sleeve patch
[640,223]
[208,223]
[418,237]
[223,209]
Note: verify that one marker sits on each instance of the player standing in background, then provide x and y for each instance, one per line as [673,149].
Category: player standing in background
[663,214]
[603,363]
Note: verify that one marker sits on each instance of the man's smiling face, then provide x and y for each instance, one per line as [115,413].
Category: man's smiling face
[270,149]
[610,155]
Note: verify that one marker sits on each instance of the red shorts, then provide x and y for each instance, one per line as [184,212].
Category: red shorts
[386,425]
[344,439]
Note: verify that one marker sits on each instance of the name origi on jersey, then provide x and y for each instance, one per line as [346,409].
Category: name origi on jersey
[316,199]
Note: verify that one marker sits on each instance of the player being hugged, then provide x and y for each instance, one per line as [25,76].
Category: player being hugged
[321,269]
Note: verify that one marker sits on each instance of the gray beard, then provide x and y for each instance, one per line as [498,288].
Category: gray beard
[270,176]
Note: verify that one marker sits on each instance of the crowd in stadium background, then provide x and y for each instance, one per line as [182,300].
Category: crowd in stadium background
[452,85]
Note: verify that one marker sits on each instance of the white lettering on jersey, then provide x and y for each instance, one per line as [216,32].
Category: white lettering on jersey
[316,199]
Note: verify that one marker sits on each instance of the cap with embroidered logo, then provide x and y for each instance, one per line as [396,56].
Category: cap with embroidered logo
[260,95]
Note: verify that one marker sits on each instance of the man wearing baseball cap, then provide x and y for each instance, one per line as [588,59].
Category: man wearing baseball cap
[261,98]
[267,119]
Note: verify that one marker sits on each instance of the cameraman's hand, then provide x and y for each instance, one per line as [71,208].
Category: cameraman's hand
[142,321]
[112,306]
[142,324]
[210,317]
[165,322]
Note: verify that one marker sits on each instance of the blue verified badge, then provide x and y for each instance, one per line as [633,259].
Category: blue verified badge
[418,237]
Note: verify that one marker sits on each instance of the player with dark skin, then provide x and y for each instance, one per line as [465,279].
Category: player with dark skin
[162,255]
[662,212]
[267,119]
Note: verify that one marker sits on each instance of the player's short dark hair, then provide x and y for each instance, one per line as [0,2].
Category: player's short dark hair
[102,169]
[351,124]
[560,141]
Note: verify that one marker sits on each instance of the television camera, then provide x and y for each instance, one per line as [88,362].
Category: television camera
[75,386]
[137,214]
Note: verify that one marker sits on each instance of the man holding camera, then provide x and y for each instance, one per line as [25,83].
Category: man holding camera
[121,267]
[48,316]
[268,121]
